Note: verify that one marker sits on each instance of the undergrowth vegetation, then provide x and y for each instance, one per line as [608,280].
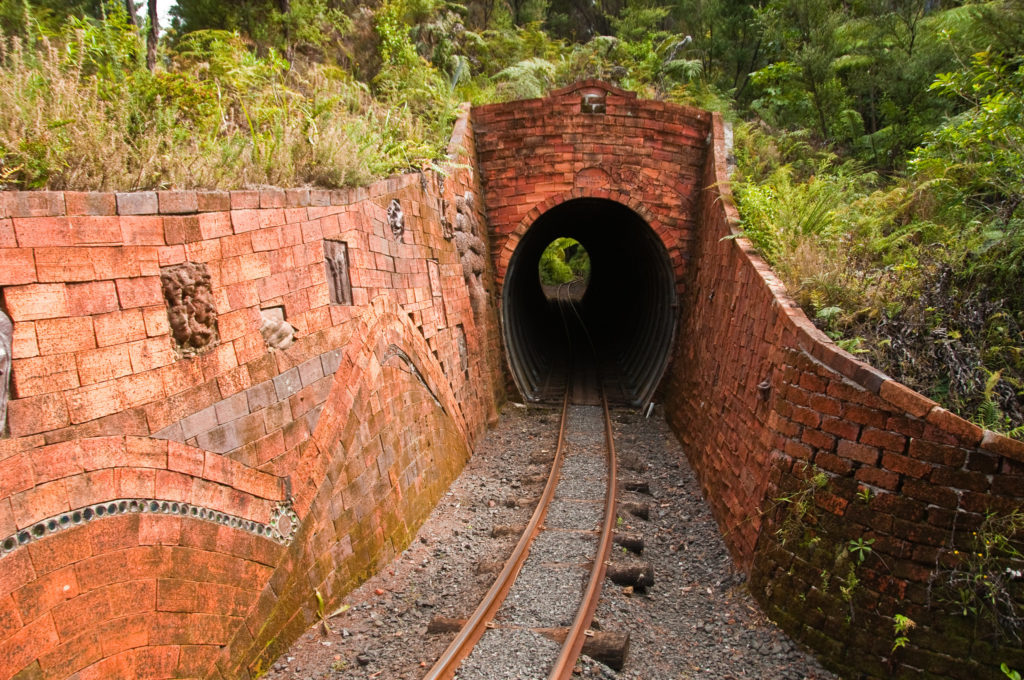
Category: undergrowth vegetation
[880,142]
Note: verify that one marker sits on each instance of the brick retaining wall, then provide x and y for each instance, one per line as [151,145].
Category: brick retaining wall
[171,498]
[771,412]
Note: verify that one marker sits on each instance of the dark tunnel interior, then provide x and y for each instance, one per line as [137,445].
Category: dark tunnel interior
[629,306]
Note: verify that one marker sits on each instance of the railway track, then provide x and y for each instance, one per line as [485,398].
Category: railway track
[535,619]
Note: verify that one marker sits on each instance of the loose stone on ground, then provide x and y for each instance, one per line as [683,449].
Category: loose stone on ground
[697,621]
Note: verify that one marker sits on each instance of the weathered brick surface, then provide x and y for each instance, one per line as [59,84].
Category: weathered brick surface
[906,476]
[103,409]
[539,153]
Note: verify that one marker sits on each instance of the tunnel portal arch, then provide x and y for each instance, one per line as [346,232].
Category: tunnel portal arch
[630,304]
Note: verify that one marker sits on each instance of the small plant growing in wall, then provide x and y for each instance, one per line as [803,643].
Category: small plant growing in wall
[798,507]
[901,627]
[986,581]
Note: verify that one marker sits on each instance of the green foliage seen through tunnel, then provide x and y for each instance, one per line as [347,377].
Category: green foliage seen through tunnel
[563,261]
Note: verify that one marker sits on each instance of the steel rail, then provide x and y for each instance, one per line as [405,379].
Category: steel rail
[577,632]
[477,624]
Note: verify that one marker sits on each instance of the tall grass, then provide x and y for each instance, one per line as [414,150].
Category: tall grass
[81,112]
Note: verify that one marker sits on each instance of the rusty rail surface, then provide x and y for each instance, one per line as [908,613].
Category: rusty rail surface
[574,640]
[475,627]
[463,644]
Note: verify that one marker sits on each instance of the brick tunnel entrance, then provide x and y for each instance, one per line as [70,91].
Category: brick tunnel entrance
[629,306]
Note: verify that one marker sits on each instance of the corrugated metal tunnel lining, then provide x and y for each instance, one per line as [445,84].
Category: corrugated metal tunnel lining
[629,306]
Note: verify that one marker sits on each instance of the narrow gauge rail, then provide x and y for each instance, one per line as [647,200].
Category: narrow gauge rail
[580,381]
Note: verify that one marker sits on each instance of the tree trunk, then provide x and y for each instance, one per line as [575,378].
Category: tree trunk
[154,34]
[286,8]
[129,6]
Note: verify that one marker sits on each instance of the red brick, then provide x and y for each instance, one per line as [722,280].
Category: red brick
[117,533]
[145,452]
[805,417]
[60,550]
[58,336]
[106,363]
[118,635]
[141,388]
[41,232]
[906,399]
[882,479]
[865,416]
[29,643]
[213,201]
[142,230]
[17,266]
[86,230]
[930,493]
[959,479]
[132,597]
[159,530]
[96,297]
[967,432]
[244,220]
[81,613]
[883,439]
[186,459]
[173,486]
[10,621]
[936,453]
[180,229]
[1004,446]
[818,439]
[797,450]
[7,237]
[858,452]
[40,502]
[241,200]
[91,487]
[832,463]
[94,401]
[64,264]
[151,353]
[72,656]
[16,474]
[215,225]
[177,202]
[36,301]
[23,343]
[17,571]
[40,375]
[139,292]
[156,321]
[34,203]
[119,327]
[56,461]
[37,414]
[7,524]
[90,203]
[136,482]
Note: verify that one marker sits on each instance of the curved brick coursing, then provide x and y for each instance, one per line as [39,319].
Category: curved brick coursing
[757,394]
[644,154]
[332,438]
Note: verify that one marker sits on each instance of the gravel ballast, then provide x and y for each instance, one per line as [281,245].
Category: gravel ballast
[696,621]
